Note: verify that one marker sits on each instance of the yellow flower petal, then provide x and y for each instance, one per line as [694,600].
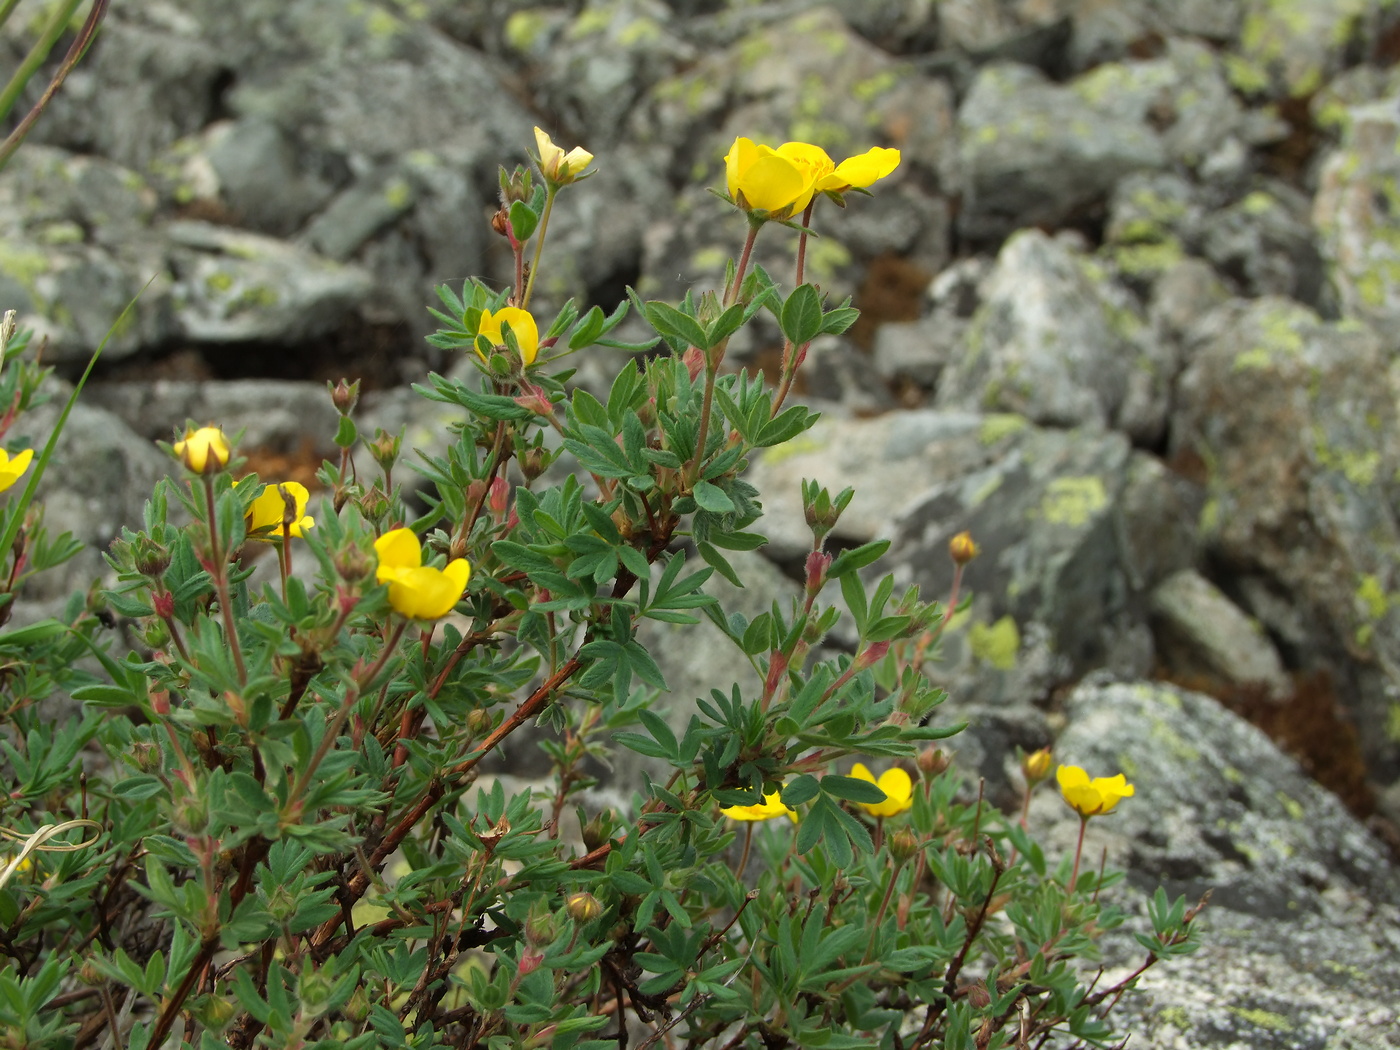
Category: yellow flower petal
[555,164]
[397,549]
[11,470]
[204,451]
[861,171]
[895,783]
[266,513]
[520,322]
[1091,798]
[771,806]
[425,593]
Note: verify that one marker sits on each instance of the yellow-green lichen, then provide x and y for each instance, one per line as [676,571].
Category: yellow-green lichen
[1371,596]
[218,283]
[709,259]
[1232,775]
[26,265]
[984,491]
[995,644]
[1392,722]
[381,24]
[61,233]
[1262,1018]
[1257,203]
[1073,501]
[999,425]
[1175,1016]
[826,258]
[871,88]
[1291,806]
[639,32]
[1172,742]
[398,193]
[590,23]
[1358,466]
[524,29]
[255,297]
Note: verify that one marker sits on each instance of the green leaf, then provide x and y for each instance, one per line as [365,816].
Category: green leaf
[674,325]
[801,316]
[346,434]
[803,789]
[857,558]
[711,497]
[715,560]
[523,220]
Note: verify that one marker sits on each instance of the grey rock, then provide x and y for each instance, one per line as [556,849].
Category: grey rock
[837,373]
[1357,218]
[1300,939]
[235,287]
[1200,632]
[1032,152]
[260,178]
[1290,50]
[1294,421]
[1048,342]
[359,212]
[271,415]
[76,246]
[914,351]
[1184,294]
[1046,512]
[606,58]
[1265,242]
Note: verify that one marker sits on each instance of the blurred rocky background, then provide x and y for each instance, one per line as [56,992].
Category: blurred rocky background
[1131,308]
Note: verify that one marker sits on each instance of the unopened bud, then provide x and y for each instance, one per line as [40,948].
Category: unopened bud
[215,1013]
[533,463]
[961,548]
[516,186]
[1035,767]
[932,762]
[479,721]
[903,845]
[541,928]
[500,222]
[90,975]
[583,907]
[160,703]
[353,564]
[146,756]
[817,564]
[150,558]
[498,495]
[597,830]
[345,395]
[385,448]
[356,1008]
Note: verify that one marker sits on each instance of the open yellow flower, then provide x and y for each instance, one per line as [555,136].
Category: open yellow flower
[895,783]
[418,591]
[771,806]
[521,322]
[12,469]
[761,179]
[853,172]
[558,166]
[269,510]
[1089,798]
[204,451]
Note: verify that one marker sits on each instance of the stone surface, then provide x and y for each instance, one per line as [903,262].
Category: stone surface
[1302,935]
[1294,423]
[1201,633]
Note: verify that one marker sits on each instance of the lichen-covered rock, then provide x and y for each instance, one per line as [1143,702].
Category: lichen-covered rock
[1288,48]
[1052,341]
[76,246]
[1294,423]
[1031,152]
[1265,242]
[235,287]
[1301,940]
[1357,215]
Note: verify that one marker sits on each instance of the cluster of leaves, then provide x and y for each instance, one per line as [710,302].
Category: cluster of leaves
[299,844]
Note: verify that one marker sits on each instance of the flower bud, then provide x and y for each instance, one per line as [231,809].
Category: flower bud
[583,907]
[817,564]
[150,558]
[1035,767]
[160,703]
[596,832]
[146,756]
[204,451]
[903,845]
[533,463]
[353,564]
[497,496]
[961,548]
[500,221]
[215,1012]
[541,928]
[356,1008]
[479,721]
[385,448]
[516,186]
[932,762]
[345,395]
[90,975]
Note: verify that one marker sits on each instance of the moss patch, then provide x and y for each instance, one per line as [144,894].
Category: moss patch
[996,644]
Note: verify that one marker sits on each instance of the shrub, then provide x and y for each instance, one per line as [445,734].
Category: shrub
[288,837]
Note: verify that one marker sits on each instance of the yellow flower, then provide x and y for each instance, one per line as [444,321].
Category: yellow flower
[895,783]
[1035,767]
[1088,797]
[558,166]
[762,179]
[418,591]
[204,451]
[11,470]
[830,177]
[269,511]
[962,549]
[771,806]
[527,333]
